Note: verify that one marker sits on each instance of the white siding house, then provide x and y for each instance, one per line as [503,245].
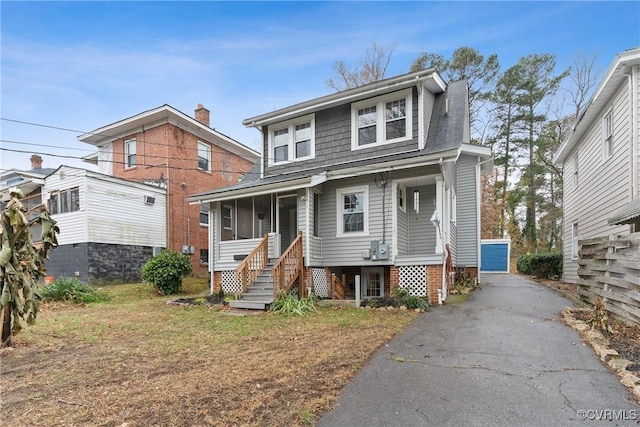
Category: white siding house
[108,226]
[601,158]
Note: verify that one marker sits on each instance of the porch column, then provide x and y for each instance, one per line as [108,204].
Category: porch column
[440,213]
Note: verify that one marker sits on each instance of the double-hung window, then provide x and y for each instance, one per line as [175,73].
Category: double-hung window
[65,201]
[204,157]
[607,128]
[352,211]
[292,140]
[130,153]
[574,241]
[204,214]
[382,120]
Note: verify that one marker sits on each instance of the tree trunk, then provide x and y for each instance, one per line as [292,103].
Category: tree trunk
[6,327]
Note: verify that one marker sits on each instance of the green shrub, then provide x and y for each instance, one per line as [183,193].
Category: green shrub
[524,264]
[546,266]
[403,298]
[291,304]
[166,270]
[73,290]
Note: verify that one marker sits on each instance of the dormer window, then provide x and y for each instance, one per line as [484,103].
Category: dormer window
[381,120]
[292,140]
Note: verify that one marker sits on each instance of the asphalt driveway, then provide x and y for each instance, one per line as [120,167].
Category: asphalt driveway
[500,358]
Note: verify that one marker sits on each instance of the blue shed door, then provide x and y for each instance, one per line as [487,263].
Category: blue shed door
[494,256]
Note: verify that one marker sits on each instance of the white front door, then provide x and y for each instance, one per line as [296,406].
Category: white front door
[372,282]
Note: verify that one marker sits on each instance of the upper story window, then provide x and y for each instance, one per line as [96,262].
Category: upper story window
[204,156]
[352,211]
[64,201]
[292,140]
[130,153]
[382,120]
[607,128]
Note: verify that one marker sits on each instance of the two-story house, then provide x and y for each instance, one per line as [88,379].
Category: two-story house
[182,154]
[378,182]
[601,158]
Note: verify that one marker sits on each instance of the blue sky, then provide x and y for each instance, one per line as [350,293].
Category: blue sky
[83,65]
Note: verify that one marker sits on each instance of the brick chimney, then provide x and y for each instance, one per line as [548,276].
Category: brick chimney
[36,162]
[202,115]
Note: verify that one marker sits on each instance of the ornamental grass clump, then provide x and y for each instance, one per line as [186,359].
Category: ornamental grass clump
[291,304]
[166,270]
[72,290]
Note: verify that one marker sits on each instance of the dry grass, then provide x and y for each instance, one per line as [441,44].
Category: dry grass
[137,361]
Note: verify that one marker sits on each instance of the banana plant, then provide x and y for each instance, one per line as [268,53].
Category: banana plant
[22,263]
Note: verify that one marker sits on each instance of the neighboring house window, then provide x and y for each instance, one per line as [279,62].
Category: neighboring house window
[607,126]
[353,212]
[65,201]
[204,214]
[574,241]
[402,197]
[226,166]
[575,171]
[130,153]
[204,156]
[292,140]
[204,256]
[227,222]
[382,120]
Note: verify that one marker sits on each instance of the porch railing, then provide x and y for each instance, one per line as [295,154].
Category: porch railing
[253,264]
[289,268]
[338,288]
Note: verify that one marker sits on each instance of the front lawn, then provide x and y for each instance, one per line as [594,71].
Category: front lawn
[137,361]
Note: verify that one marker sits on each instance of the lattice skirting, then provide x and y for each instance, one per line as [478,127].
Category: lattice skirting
[230,284]
[320,283]
[414,279]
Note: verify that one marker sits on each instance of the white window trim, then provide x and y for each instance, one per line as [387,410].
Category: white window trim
[127,153]
[291,126]
[576,165]
[402,194]
[379,103]
[208,147]
[607,140]
[575,236]
[340,210]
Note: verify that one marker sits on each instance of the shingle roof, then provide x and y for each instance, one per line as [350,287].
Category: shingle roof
[448,129]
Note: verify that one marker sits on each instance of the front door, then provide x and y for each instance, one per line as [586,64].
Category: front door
[287,220]
[373,282]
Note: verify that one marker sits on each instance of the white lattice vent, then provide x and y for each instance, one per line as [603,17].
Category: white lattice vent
[414,279]
[230,284]
[320,282]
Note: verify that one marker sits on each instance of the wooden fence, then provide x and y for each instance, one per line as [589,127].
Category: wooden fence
[610,267]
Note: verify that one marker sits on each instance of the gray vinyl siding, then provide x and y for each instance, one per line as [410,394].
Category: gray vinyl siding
[422,233]
[603,185]
[467,212]
[333,141]
[347,250]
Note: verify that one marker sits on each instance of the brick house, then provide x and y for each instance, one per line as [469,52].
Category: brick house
[182,154]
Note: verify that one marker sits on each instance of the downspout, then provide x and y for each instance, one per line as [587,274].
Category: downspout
[479,211]
[633,83]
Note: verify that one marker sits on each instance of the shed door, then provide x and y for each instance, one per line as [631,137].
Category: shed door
[494,257]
